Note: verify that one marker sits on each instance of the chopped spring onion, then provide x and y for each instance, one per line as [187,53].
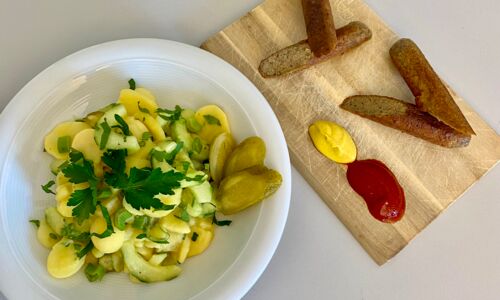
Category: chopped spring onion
[122,217]
[64,144]
[141,222]
[212,120]
[131,83]
[94,272]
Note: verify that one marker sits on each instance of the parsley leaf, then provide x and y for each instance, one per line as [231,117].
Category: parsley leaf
[170,115]
[84,204]
[115,159]
[36,222]
[144,184]
[53,236]
[212,120]
[70,231]
[131,83]
[47,186]
[109,226]
[123,125]
[79,169]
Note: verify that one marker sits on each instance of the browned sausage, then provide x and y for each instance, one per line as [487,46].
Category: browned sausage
[407,118]
[430,93]
[320,28]
[299,56]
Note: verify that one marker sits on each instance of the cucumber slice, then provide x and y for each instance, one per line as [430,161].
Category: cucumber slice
[187,183]
[180,134]
[202,192]
[143,270]
[117,141]
[208,208]
[110,112]
[191,124]
[55,220]
[200,149]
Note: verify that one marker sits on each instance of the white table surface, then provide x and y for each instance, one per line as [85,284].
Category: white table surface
[456,257]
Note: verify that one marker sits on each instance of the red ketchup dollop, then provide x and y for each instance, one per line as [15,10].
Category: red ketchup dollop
[380,189]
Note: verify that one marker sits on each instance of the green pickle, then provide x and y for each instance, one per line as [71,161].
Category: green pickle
[251,152]
[248,187]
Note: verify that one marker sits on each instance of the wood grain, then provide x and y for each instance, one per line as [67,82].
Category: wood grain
[432,176]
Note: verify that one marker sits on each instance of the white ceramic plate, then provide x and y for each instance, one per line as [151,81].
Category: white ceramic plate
[89,79]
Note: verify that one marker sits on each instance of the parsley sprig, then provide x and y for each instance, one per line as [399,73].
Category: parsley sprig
[85,201]
[142,185]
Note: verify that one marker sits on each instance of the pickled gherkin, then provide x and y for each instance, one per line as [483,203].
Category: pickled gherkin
[248,187]
[251,152]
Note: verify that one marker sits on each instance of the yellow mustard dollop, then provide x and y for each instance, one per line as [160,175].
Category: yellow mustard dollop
[333,141]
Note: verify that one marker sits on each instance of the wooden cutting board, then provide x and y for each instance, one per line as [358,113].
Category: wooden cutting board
[432,177]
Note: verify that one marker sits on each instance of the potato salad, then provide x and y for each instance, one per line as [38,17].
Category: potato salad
[139,188]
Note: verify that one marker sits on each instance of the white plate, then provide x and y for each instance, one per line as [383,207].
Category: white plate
[87,80]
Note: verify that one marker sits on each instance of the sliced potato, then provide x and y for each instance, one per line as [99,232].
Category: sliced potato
[108,244]
[203,240]
[61,179]
[205,223]
[99,170]
[132,99]
[171,223]
[184,250]
[92,118]
[45,235]
[214,122]
[174,199]
[63,192]
[64,129]
[62,261]
[112,204]
[153,126]
[84,142]
[146,93]
[219,152]
[174,242]
[136,162]
[136,127]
